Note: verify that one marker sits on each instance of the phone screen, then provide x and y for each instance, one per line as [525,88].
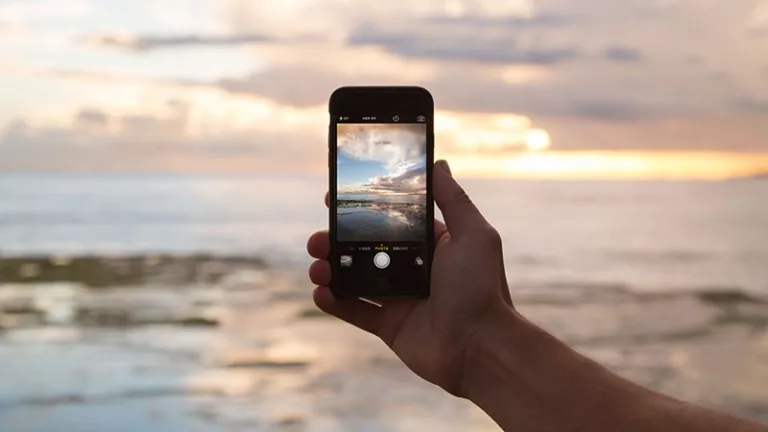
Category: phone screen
[381,206]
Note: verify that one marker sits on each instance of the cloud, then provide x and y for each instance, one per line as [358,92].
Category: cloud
[584,93]
[26,147]
[147,43]
[410,181]
[742,133]
[334,18]
[623,54]
[460,48]
[306,81]
[536,21]
[396,146]
[752,105]
[399,148]
[758,31]
[13,34]
[92,118]
[461,88]
[298,86]
[613,110]
[96,77]
[757,25]
[24,12]
[178,135]
[474,88]
[477,47]
[570,97]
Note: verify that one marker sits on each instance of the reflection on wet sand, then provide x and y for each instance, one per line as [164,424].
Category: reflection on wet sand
[381,221]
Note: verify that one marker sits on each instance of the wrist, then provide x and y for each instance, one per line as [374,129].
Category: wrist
[503,322]
[526,379]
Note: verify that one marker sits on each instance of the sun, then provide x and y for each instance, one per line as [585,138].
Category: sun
[537,140]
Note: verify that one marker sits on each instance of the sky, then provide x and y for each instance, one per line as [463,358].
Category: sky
[382,159]
[523,88]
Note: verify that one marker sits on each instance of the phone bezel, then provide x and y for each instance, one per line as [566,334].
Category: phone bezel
[407,102]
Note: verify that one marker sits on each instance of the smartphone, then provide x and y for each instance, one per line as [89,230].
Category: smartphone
[381,154]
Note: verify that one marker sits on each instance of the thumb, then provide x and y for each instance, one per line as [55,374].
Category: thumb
[460,213]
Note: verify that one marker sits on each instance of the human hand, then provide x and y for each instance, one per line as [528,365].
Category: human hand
[435,336]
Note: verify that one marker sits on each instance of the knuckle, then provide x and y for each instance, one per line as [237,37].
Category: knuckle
[486,237]
[492,238]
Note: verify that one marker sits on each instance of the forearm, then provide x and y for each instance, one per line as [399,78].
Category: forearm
[527,380]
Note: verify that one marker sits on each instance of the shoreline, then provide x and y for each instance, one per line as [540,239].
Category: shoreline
[94,270]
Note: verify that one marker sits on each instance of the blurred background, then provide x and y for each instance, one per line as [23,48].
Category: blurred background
[162,164]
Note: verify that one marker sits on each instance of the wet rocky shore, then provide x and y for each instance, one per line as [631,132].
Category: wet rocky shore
[197,342]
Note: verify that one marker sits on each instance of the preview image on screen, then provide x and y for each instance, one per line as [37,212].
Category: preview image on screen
[381,182]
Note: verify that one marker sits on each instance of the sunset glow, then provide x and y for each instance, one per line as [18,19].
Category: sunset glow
[613,165]
[537,140]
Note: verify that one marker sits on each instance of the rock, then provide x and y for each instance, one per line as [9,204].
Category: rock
[292,419]
[261,359]
[728,296]
[21,320]
[312,313]
[61,260]
[198,322]
[102,271]
[266,363]
[103,317]
[29,271]
[24,305]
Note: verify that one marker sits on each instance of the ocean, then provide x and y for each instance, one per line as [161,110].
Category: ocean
[640,235]
[178,302]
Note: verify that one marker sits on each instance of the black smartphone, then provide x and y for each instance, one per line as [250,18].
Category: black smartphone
[381,154]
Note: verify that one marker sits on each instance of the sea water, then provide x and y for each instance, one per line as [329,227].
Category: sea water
[643,235]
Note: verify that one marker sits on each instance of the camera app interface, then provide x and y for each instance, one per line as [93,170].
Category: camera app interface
[381,204]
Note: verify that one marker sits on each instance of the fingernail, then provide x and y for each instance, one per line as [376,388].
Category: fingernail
[444,165]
